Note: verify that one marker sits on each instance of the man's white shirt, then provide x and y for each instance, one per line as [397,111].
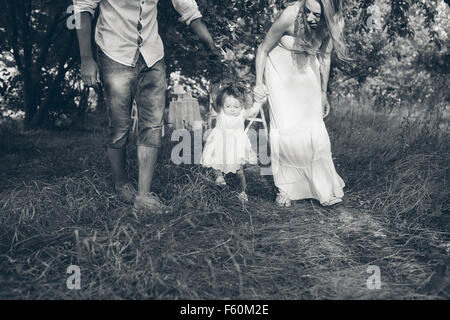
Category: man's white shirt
[117,30]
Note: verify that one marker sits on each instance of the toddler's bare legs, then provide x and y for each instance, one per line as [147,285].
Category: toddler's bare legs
[243,185]
[218,173]
[220,180]
[241,177]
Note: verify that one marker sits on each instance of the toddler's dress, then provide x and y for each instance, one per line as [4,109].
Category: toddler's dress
[228,147]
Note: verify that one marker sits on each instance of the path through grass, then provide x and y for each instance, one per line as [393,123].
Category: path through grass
[58,208]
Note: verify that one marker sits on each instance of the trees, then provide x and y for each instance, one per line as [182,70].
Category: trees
[44,50]
[239,26]
[389,62]
[35,33]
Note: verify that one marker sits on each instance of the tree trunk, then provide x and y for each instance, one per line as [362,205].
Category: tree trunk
[18,17]
[42,113]
[29,101]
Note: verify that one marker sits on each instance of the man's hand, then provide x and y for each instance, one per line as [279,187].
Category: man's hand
[89,72]
[89,69]
[199,28]
[325,105]
[216,52]
[215,55]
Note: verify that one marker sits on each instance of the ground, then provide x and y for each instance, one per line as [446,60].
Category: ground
[58,209]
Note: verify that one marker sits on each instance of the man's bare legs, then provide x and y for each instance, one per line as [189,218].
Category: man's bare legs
[147,157]
[117,158]
[147,162]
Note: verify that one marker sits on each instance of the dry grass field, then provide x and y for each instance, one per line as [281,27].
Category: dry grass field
[58,208]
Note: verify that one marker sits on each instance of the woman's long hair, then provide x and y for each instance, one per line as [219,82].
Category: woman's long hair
[332,12]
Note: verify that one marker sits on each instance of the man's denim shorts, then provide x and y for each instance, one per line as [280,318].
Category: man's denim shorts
[123,84]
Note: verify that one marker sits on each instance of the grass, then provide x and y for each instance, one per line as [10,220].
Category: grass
[58,208]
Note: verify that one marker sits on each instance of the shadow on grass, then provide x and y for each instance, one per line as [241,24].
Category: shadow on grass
[211,246]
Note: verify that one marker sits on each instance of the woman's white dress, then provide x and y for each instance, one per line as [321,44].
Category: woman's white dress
[227,147]
[300,146]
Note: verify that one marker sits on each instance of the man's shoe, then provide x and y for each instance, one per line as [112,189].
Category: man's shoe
[149,201]
[126,192]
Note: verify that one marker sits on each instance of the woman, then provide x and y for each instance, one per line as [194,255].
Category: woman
[294,60]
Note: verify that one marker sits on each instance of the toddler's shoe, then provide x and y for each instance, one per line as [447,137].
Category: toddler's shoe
[283,200]
[220,181]
[243,197]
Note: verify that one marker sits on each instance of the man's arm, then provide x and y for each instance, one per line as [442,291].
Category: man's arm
[89,69]
[190,14]
[84,10]
[199,28]
[84,35]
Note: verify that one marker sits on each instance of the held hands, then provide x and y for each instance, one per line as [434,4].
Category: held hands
[325,105]
[215,52]
[260,93]
[89,72]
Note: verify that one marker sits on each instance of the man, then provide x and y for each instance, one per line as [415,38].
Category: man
[130,65]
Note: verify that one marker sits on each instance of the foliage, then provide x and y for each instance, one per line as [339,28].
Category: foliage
[395,216]
[412,36]
[396,71]
[44,51]
[385,58]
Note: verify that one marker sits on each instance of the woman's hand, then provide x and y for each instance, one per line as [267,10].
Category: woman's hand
[325,105]
[260,93]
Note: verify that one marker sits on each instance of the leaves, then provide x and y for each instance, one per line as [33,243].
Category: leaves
[238,27]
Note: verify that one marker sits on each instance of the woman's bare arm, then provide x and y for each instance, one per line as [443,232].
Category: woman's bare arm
[325,62]
[277,30]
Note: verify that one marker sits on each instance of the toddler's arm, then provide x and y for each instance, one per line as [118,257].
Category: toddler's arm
[253,111]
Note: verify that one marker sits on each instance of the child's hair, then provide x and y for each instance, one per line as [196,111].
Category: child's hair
[229,90]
